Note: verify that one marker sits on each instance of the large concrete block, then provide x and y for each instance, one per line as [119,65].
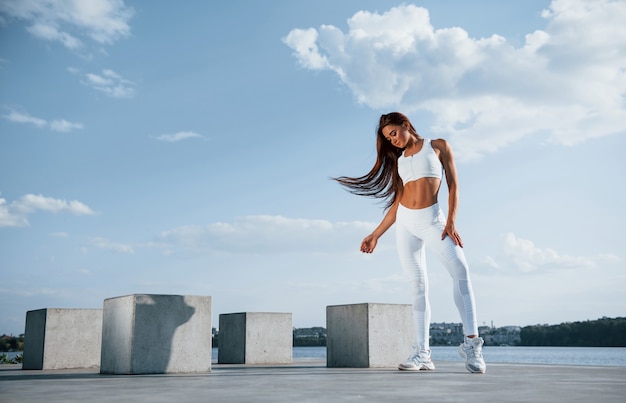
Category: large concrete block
[58,338]
[255,338]
[156,334]
[368,335]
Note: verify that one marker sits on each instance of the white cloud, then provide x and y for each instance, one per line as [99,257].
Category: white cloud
[172,138]
[568,80]
[8,218]
[103,21]
[110,83]
[490,262]
[522,255]
[21,117]
[117,247]
[58,125]
[264,234]
[50,32]
[62,125]
[30,202]
[16,213]
[304,42]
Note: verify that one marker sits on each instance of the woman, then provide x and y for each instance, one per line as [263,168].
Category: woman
[408,173]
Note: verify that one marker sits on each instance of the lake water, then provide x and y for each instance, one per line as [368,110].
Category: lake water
[591,356]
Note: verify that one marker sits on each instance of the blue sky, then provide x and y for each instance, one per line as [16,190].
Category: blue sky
[149,147]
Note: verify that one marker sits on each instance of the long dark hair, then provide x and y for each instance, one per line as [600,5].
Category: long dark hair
[382,181]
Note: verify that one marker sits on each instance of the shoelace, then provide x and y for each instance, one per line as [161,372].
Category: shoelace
[416,354]
[475,352]
[416,357]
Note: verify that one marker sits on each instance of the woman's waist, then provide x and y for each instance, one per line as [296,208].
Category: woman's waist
[421,193]
[423,209]
[420,204]
[427,215]
[418,200]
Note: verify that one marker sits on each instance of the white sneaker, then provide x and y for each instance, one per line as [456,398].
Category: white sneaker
[472,351]
[418,361]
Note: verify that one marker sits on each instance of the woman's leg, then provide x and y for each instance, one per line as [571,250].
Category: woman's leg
[453,258]
[413,260]
[430,230]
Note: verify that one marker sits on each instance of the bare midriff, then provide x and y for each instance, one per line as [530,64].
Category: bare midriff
[420,193]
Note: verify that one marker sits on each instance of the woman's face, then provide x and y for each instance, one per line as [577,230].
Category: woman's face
[398,135]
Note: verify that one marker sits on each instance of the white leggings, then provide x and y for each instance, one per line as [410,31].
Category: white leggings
[415,228]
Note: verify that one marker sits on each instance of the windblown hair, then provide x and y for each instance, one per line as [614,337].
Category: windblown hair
[383,180]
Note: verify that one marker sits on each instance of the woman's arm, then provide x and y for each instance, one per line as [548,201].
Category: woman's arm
[369,243]
[447,160]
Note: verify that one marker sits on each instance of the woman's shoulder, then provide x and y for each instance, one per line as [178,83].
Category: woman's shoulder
[442,149]
[440,144]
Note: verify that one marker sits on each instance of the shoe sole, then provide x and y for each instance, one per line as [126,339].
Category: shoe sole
[475,371]
[416,369]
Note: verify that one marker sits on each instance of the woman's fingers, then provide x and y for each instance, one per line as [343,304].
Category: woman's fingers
[456,238]
[368,245]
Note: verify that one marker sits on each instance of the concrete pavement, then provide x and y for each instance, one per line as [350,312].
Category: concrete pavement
[312,381]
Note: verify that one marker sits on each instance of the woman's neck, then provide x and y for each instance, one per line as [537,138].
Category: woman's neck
[414,145]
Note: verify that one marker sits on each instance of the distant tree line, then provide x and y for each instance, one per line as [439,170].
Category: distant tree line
[604,332]
[302,337]
[309,337]
[11,343]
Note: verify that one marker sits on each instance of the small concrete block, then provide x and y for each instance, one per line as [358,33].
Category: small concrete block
[58,338]
[255,338]
[368,335]
[156,334]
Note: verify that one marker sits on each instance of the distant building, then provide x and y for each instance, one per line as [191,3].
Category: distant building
[441,334]
[311,336]
[502,336]
[446,334]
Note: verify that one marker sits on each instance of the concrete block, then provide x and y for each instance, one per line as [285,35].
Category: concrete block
[368,335]
[58,338]
[156,334]
[255,338]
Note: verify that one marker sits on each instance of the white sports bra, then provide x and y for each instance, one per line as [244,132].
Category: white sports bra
[423,164]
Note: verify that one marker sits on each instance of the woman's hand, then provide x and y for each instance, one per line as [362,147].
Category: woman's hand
[450,231]
[369,243]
